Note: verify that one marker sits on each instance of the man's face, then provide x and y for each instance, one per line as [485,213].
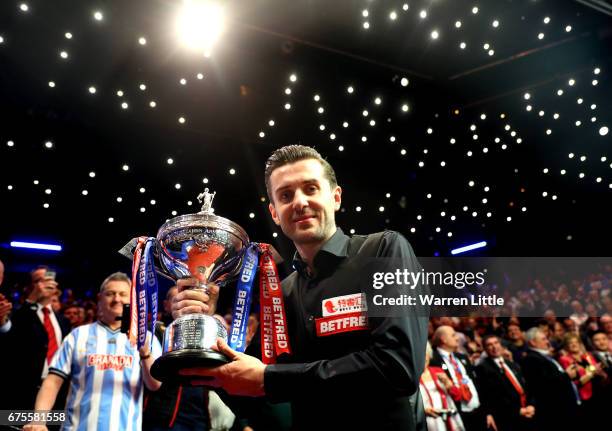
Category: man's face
[450,340]
[600,341]
[303,201]
[540,341]
[514,333]
[72,314]
[56,305]
[111,300]
[493,347]
[606,323]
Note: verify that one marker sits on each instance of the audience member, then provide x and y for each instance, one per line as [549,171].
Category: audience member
[459,369]
[586,369]
[106,373]
[553,391]
[440,410]
[516,341]
[503,389]
[75,315]
[32,336]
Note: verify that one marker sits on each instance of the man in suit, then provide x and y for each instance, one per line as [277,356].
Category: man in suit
[29,339]
[554,394]
[503,389]
[602,383]
[459,369]
[601,350]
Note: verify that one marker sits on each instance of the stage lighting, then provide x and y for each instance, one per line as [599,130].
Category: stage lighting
[200,24]
[36,246]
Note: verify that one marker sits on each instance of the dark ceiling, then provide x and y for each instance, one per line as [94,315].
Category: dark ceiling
[482,151]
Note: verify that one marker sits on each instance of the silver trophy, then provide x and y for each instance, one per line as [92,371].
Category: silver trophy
[209,248]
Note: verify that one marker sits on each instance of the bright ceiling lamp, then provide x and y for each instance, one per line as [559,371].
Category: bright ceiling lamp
[200,24]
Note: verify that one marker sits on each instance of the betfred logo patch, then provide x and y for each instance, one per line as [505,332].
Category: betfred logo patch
[345,323]
[344,304]
[106,362]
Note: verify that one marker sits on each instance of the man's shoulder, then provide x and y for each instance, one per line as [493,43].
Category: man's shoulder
[486,365]
[383,243]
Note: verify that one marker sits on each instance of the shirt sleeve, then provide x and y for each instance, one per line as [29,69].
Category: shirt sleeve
[61,364]
[6,327]
[393,361]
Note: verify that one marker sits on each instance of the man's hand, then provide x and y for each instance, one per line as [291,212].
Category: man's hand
[491,423]
[443,378]
[572,371]
[5,309]
[243,376]
[192,299]
[527,412]
[429,411]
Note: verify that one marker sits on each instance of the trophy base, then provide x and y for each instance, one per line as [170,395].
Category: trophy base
[167,367]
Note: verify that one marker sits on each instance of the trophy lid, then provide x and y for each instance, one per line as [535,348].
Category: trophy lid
[205,218]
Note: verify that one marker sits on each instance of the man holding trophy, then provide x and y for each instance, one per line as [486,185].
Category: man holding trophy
[339,367]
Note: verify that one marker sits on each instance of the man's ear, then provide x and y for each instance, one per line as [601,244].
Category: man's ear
[337,194]
[274,214]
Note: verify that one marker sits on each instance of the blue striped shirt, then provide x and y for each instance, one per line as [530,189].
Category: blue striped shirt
[105,377]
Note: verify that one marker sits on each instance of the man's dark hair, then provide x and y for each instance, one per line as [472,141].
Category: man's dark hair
[295,153]
[488,337]
[597,332]
[38,268]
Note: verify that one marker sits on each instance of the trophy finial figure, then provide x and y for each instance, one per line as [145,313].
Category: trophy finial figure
[206,199]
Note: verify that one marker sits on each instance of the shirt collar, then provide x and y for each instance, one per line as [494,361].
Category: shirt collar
[335,248]
[108,328]
[39,307]
[541,351]
[444,353]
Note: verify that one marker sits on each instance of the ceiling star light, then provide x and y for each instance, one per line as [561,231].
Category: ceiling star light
[142,40]
[68,35]
[98,16]
[435,34]
[423,14]
[200,24]
[24,7]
